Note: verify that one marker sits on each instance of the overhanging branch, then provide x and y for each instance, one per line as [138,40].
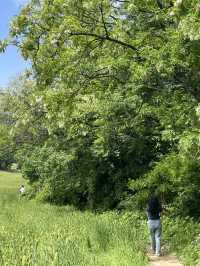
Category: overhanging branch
[104,38]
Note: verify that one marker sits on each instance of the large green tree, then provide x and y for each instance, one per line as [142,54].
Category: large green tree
[116,84]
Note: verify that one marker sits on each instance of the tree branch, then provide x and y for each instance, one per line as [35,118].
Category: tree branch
[103,21]
[104,38]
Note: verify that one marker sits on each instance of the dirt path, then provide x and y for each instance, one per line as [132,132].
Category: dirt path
[163,261]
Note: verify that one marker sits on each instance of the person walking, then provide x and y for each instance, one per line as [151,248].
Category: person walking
[154,210]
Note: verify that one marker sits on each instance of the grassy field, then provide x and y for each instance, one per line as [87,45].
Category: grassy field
[40,234]
[9,186]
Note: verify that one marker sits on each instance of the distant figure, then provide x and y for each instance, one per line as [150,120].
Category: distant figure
[22,190]
[154,210]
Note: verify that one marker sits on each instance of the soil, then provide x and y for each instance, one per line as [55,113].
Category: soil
[163,261]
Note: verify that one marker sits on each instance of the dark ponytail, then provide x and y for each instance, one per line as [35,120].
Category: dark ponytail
[154,205]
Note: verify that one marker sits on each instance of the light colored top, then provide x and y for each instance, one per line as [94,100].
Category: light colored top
[22,190]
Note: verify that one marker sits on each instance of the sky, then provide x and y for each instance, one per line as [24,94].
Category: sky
[11,63]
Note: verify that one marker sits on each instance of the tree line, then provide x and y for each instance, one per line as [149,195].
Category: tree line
[109,110]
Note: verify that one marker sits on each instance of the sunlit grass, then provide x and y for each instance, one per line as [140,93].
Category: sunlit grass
[9,186]
[10,180]
[41,234]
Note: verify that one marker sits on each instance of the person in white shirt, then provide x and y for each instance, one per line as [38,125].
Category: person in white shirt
[22,190]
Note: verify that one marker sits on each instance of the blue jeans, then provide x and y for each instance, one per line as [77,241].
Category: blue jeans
[155,232]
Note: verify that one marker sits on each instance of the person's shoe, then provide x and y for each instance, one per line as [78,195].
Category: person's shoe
[158,255]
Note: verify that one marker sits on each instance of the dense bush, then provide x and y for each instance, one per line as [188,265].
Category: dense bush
[49,172]
[181,236]
[175,179]
[6,148]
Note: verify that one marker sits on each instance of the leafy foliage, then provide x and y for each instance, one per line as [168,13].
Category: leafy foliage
[110,105]
[6,147]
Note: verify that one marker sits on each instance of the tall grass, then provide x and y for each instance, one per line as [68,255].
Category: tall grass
[182,237]
[43,235]
[40,234]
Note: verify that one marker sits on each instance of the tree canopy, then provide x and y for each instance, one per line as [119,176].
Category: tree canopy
[109,110]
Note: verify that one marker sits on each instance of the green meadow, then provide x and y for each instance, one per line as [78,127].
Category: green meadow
[32,233]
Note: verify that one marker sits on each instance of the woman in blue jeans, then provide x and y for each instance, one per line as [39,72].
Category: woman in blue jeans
[154,210]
